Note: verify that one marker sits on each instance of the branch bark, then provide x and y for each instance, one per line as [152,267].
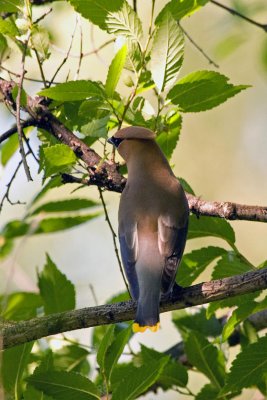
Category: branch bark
[26,331]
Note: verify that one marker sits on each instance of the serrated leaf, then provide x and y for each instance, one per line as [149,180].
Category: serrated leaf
[21,306]
[125,22]
[206,358]
[135,381]
[207,226]
[202,90]
[249,367]
[231,302]
[91,109]
[13,364]
[46,364]
[207,392]
[73,91]
[194,263]
[167,52]
[97,11]
[64,206]
[198,322]
[57,158]
[50,225]
[230,264]
[114,71]
[168,139]
[63,385]
[96,127]
[57,292]
[51,184]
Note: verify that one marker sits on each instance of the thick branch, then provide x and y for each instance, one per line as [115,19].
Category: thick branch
[105,174]
[202,293]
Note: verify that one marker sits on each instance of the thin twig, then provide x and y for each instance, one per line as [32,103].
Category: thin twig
[27,140]
[89,53]
[18,100]
[66,57]
[135,5]
[81,50]
[199,48]
[238,14]
[40,67]
[43,16]
[91,287]
[113,237]
[6,195]
[25,77]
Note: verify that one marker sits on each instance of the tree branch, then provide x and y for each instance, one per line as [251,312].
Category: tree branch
[26,331]
[105,174]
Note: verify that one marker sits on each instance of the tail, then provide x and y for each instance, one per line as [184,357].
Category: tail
[147,316]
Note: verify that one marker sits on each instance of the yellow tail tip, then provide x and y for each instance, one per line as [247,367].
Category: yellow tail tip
[137,328]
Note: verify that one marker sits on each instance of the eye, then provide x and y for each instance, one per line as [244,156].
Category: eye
[115,141]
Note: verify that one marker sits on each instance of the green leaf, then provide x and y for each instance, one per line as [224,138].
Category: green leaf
[230,264]
[40,42]
[173,374]
[15,228]
[125,22]
[249,367]
[206,358]
[180,8]
[194,263]
[168,139]
[33,394]
[96,127]
[197,322]
[187,188]
[13,364]
[207,392]
[135,381]
[63,385]
[64,206]
[45,365]
[104,345]
[57,292]
[54,182]
[73,91]
[93,109]
[114,351]
[6,246]
[97,11]
[9,148]
[57,158]
[231,302]
[72,358]
[21,306]
[11,5]
[207,226]
[23,96]
[167,52]
[202,90]
[50,225]
[114,71]
[3,48]
[8,27]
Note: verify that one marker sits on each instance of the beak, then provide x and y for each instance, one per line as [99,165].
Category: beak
[115,141]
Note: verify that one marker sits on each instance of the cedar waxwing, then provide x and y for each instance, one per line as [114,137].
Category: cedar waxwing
[153,221]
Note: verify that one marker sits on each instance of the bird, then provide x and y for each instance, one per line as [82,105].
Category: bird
[153,223]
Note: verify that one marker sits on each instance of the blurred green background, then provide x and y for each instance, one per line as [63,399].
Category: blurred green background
[222,154]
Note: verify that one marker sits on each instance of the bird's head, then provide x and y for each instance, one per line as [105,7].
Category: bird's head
[127,138]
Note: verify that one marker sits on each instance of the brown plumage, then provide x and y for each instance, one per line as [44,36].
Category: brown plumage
[153,220]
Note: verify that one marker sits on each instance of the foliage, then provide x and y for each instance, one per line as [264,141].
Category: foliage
[149,65]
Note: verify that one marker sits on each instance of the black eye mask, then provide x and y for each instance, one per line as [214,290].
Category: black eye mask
[115,141]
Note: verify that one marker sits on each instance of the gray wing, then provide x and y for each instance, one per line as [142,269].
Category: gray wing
[171,242]
[129,249]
